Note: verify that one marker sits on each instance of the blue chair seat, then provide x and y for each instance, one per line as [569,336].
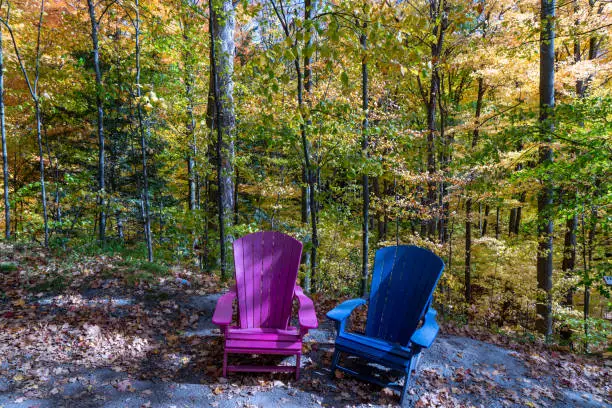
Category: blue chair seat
[389,354]
[403,282]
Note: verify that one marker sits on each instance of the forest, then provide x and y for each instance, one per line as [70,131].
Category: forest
[154,133]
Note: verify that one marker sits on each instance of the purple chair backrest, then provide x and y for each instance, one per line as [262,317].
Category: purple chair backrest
[266,270]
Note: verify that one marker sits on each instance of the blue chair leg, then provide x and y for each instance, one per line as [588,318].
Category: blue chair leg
[414,363]
[406,381]
[335,359]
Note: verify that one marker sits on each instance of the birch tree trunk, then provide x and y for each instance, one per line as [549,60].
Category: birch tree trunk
[222,27]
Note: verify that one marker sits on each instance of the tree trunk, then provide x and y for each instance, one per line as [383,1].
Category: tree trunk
[468,202]
[310,171]
[497,216]
[438,13]
[519,214]
[222,27]
[236,186]
[41,169]
[468,250]
[364,146]
[379,223]
[545,196]
[190,125]
[41,161]
[143,143]
[569,245]
[569,255]
[100,120]
[485,222]
[5,159]
[479,98]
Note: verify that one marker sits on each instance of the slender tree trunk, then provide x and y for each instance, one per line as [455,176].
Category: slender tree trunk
[310,171]
[569,255]
[485,222]
[479,99]
[545,196]
[191,124]
[5,159]
[438,12]
[497,216]
[468,250]
[379,219]
[222,29]
[587,255]
[519,214]
[236,186]
[143,143]
[33,89]
[306,87]
[100,119]
[468,202]
[569,245]
[363,39]
[41,169]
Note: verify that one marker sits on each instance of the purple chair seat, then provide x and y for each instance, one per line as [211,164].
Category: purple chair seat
[266,266]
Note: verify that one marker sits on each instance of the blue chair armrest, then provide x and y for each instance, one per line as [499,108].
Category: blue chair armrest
[340,313]
[426,334]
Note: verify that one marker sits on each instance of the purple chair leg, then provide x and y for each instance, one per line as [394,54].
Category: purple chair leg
[224,364]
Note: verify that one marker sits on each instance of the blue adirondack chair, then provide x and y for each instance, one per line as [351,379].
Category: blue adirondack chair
[403,282]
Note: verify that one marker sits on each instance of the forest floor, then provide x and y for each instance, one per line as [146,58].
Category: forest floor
[103,332]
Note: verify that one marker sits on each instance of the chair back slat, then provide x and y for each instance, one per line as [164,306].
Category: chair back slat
[403,281]
[266,267]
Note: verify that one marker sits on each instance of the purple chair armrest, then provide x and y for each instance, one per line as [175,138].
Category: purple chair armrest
[306,314]
[224,311]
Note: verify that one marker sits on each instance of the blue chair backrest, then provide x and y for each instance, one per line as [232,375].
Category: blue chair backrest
[403,282]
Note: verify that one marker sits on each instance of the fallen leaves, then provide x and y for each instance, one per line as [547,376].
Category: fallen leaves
[47,341]
[125,386]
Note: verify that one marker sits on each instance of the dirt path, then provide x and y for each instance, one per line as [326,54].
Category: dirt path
[184,371]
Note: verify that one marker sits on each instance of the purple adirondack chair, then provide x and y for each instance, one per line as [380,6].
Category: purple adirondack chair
[266,265]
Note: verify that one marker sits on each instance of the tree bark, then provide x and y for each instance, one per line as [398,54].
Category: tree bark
[545,196]
[222,27]
[5,159]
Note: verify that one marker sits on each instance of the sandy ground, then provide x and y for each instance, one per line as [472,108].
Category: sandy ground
[456,371]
